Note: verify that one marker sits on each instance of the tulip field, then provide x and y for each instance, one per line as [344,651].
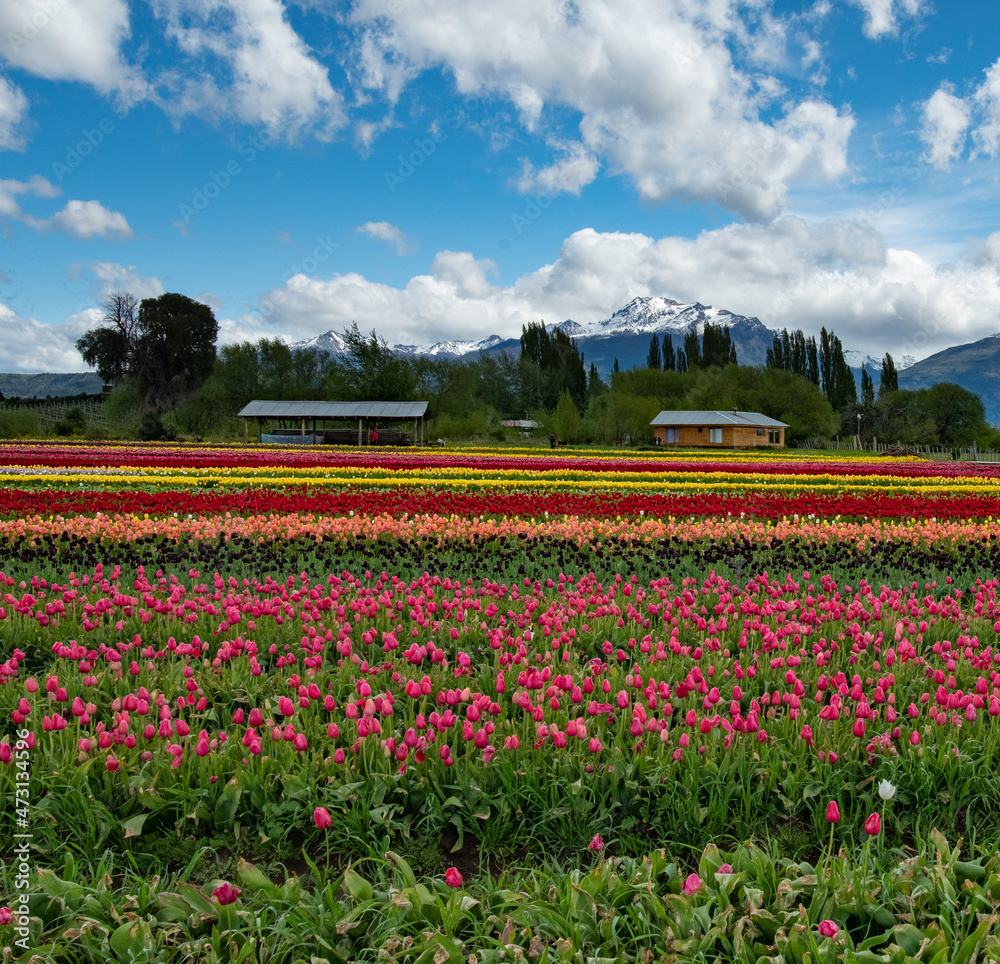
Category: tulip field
[321,704]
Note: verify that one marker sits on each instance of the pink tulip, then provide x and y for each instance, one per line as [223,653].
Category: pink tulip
[832,812]
[873,825]
[827,928]
[692,884]
[452,877]
[596,844]
[322,818]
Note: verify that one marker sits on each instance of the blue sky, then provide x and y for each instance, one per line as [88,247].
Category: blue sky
[451,169]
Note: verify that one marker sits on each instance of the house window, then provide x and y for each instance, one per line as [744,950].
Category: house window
[760,432]
[770,435]
[671,434]
[715,435]
[700,429]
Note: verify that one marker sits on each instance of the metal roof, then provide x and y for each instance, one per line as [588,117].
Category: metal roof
[717,418]
[265,409]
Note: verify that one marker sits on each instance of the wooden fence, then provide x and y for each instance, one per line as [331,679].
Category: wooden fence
[963,453]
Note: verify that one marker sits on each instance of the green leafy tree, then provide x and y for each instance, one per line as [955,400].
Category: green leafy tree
[654,359]
[668,353]
[867,389]
[692,350]
[175,349]
[371,371]
[167,346]
[595,384]
[889,382]
[552,364]
[566,420]
[109,348]
[958,413]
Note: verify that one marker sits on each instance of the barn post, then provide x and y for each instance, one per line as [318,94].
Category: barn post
[359,431]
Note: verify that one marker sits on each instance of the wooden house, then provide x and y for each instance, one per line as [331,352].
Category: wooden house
[723,429]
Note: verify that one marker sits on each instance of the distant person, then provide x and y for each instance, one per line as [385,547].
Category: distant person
[552,440]
[375,436]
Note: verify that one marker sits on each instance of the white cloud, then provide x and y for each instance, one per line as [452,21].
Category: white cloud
[572,172]
[987,99]
[944,123]
[883,16]
[115,278]
[63,40]
[659,95]
[84,220]
[791,274]
[36,186]
[29,345]
[384,231]
[13,110]
[253,65]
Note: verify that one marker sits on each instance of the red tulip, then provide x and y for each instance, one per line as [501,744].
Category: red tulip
[452,877]
[832,812]
[226,894]
[873,825]
[322,818]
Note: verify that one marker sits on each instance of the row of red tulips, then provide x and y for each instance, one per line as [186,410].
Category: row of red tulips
[67,456]
[16,503]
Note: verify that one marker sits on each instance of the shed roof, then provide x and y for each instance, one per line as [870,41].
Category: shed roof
[754,419]
[266,409]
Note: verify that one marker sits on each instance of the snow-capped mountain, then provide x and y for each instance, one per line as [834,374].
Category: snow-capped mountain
[624,336]
[333,343]
[858,358]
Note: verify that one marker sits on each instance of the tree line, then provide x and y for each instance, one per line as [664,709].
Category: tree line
[161,354]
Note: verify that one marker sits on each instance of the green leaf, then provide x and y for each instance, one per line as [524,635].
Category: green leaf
[226,805]
[357,886]
[133,826]
[131,941]
[409,878]
[967,949]
[254,879]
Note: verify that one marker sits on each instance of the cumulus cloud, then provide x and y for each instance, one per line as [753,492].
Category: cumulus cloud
[247,60]
[82,220]
[837,274]
[80,40]
[945,120]
[882,17]
[85,220]
[115,278]
[572,172]
[987,100]
[384,231]
[658,92]
[13,110]
[29,345]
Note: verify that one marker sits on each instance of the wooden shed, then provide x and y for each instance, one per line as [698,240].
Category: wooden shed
[309,423]
[723,429]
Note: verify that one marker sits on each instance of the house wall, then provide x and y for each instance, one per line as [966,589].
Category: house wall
[733,436]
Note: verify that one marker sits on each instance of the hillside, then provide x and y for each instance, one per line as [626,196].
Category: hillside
[54,384]
[975,366]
